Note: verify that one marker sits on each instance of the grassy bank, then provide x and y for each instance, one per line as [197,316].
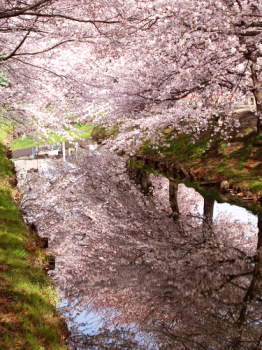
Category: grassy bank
[228,172]
[77,132]
[27,298]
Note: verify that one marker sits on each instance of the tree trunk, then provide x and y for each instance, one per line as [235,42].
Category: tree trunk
[259,235]
[257,91]
[173,188]
[208,217]
[141,178]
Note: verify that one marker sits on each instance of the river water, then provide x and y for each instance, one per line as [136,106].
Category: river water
[128,275]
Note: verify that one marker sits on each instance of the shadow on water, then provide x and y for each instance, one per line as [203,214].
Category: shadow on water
[199,289]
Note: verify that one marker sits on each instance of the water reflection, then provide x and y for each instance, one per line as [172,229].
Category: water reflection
[91,330]
[134,276]
[234,213]
[188,291]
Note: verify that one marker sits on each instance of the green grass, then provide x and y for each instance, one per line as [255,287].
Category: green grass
[101,132]
[208,160]
[5,130]
[78,132]
[27,297]
[83,131]
[23,142]
[179,148]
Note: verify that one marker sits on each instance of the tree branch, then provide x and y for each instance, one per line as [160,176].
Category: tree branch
[4,58]
[21,11]
[39,67]
[69,18]
[45,50]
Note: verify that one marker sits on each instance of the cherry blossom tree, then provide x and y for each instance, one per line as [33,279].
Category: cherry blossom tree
[193,61]
[175,61]
[31,33]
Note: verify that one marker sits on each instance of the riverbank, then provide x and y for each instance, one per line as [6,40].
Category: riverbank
[225,169]
[28,320]
[220,170]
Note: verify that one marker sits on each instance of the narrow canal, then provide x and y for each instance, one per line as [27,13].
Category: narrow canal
[130,276]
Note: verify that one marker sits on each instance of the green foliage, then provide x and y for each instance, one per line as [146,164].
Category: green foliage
[257,186]
[209,193]
[81,131]
[222,146]
[183,159]
[134,163]
[177,147]
[101,133]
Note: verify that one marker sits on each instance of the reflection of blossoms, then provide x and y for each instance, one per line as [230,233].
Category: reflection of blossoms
[119,253]
[241,235]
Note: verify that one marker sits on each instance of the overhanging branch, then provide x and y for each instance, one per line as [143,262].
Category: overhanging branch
[20,11]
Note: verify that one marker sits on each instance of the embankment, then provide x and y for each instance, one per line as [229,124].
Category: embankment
[28,320]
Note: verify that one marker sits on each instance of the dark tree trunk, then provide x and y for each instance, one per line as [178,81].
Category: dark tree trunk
[208,217]
[142,179]
[257,90]
[173,188]
[259,235]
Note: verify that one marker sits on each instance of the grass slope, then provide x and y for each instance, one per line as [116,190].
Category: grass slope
[27,297]
[237,164]
[77,132]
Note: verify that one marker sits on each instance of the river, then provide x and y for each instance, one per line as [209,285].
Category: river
[128,275]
